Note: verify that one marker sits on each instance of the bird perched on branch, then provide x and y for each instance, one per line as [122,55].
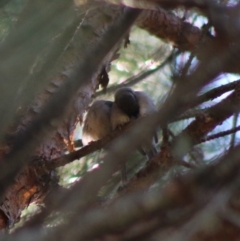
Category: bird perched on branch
[129,105]
[103,117]
[97,123]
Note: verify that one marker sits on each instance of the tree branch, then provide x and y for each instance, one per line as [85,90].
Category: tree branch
[172,29]
[220,134]
[86,150]
[185,191]
[31,137]
[139,77]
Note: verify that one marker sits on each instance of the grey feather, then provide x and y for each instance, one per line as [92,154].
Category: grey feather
[97,123]
[130,104]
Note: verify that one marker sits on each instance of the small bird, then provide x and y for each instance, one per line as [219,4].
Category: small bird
[129,105]
[97,123]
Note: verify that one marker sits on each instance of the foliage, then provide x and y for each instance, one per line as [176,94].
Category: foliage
[54,56]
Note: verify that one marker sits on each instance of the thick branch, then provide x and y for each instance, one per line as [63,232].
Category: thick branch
[171,28]
[30,139]
[25,40]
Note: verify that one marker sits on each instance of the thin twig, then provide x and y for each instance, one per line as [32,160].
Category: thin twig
[139,77]
[233,136]
[210,95]
[220,134]
[86,150]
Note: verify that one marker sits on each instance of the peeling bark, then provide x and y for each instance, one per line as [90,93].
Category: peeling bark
[171,28]
[28,187]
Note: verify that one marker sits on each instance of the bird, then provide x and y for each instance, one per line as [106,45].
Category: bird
[104,116]
[97,123]
[129,105]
